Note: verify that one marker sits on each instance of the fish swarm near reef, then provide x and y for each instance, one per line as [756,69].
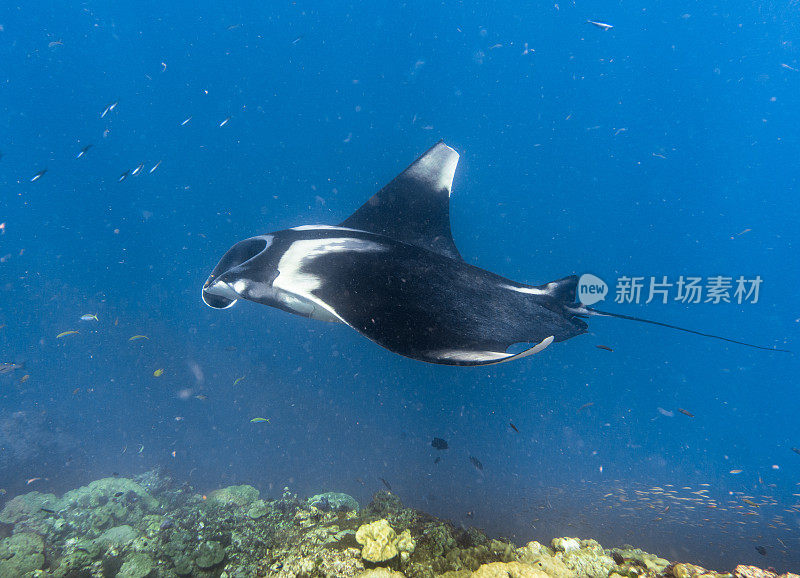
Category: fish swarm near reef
[150,527]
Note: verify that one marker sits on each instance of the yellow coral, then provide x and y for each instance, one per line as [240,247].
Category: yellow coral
[508,570]
[405,544]
[380,542]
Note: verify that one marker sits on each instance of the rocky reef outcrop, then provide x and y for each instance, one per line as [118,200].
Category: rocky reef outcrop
[147,528]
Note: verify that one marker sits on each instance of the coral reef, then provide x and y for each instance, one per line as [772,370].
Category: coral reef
[381,542]
[146,528]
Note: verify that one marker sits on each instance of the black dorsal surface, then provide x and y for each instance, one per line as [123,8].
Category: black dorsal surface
[415,207]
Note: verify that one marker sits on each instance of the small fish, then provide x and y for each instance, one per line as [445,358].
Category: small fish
[89,317]
[259,420]
[9,367]
[761,550]
[686,413]
[601,25]
[38,175]
[437,460]
[224,122]
[109,108]
[65,333]
[76,391]
[201,397]
[141,448]
[736,472]
[123,176]
[155,166]
[118,494]
[586,405]
[665,412]
[604,347]
[439,444]
[137,337]
[511,424]
[48,510]
[184,123]
[387,484]
[84,150]
[750,502]
[787,67]
[296,40]
[24,378]
[163,67]
[476,462]
[238,379]
[31,480]
[137,170]
[796,450]
[158,372]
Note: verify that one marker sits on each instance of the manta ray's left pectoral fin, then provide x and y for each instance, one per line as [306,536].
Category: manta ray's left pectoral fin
[415,206]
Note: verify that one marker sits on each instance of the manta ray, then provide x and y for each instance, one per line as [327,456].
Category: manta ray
[392,272]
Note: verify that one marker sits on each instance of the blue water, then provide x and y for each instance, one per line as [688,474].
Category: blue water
[664,146]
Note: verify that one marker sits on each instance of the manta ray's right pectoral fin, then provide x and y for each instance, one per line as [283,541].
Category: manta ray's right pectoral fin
[541,346]
[463,357]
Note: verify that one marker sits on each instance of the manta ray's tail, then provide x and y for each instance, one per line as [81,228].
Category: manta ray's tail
[590,311]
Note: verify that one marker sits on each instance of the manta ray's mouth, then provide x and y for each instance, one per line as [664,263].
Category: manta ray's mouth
[219,295]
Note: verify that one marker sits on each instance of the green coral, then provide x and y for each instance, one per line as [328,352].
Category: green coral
[21,554]
[237,495]
[26,512]
[258,509]
[103,492]
[209,553]
[138,565]
[183,566]
[117,536]
[336,501]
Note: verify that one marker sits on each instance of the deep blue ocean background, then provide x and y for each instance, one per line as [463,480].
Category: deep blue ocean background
[667,145]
